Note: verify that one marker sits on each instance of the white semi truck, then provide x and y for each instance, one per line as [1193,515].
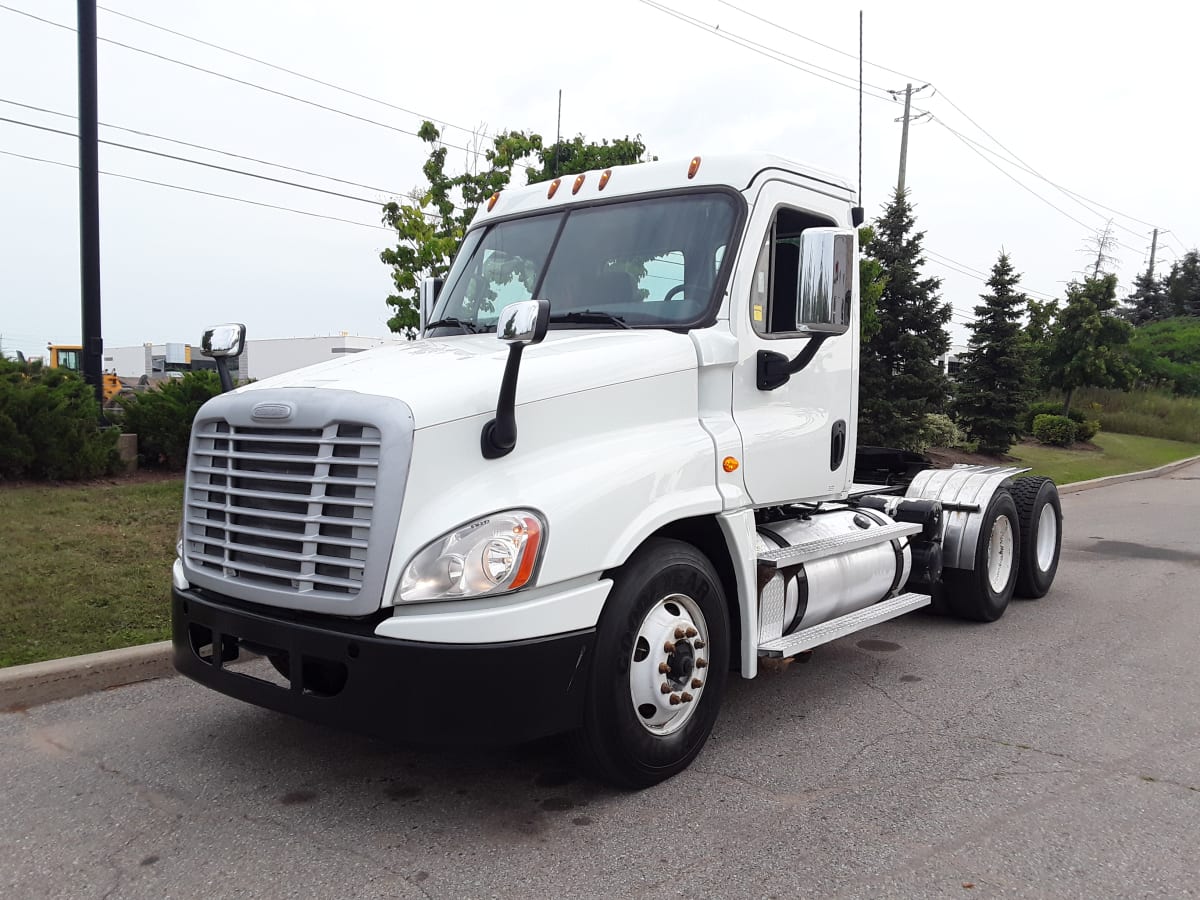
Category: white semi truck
[619,464]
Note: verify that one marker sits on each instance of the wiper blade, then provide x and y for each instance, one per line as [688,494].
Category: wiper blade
[588,315]
[451,322]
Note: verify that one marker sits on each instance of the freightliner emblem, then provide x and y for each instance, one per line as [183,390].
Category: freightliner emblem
[272,411]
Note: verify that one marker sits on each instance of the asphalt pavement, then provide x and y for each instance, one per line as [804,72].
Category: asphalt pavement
[1055,753]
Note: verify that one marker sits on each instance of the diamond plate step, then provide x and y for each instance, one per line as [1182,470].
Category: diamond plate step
[808,638]
[821,548]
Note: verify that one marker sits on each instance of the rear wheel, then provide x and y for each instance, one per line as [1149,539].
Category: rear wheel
[1040,515]
[982,594]
[661,660]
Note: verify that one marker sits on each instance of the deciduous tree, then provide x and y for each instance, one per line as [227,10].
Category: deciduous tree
[1088,348]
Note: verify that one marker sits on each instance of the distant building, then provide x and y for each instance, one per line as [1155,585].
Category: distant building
[261,358]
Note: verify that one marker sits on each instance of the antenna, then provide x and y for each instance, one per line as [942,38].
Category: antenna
[860,95]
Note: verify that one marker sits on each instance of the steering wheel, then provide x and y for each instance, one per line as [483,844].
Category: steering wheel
[678,289]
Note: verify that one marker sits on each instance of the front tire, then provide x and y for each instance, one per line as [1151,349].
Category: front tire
[1040,515]
[661,661]
[982,594]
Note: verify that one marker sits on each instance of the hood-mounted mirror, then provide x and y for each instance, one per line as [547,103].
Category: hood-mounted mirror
[519,324]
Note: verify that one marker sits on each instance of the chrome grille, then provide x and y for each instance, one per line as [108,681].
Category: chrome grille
[284,508]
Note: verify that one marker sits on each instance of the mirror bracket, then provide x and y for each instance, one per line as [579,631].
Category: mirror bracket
[528,324]
[774,369]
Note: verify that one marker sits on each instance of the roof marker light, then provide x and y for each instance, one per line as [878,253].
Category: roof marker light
[578,184]
[553,187]
[607,174]
[694,167]
[492,200]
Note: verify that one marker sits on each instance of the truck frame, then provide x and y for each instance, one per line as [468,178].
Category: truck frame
[619,464]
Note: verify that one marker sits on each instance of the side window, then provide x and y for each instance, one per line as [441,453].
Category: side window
[776,282]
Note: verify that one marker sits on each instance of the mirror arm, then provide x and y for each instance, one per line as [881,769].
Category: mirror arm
[499,436]
[223,374]
[774,369]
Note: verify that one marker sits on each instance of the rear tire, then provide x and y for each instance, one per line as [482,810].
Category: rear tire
[1040,515]
[634,734]
[982,594]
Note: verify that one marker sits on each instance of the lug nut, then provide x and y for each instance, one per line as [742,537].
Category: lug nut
[680,633]
[663,668]
[686,697]
[701,663]
[669,646]
[692,632]
[697,683]
[665,688]
[675,700]
[699,645]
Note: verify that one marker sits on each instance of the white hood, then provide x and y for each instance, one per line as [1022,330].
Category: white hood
[443,379]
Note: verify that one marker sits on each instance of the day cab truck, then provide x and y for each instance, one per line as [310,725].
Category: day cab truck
[618,465]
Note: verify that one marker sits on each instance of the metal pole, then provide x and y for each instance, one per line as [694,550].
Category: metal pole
[1153,250]
[89,201]
[860,95]
[904,138]
[558,133]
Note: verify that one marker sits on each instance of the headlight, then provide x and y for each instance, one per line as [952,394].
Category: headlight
[493,555]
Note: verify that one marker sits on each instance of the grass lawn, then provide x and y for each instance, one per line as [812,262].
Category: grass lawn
[1121,453]
[85,568]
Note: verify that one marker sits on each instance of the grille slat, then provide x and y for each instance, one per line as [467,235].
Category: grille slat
[288,508]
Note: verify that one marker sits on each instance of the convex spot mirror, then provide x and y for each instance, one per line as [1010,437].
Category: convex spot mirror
[825,288]
[524,322]
[224,341]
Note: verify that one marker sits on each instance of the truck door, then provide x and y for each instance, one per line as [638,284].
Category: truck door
[798,439]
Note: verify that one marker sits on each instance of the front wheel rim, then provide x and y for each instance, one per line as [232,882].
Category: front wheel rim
[1047,538]
[1000,554]
[669,664]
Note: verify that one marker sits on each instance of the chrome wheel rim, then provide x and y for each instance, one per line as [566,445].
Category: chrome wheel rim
[1047,538]
[1000,554]
[668,666]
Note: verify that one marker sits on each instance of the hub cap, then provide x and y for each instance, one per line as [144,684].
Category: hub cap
[1000,554]
[669,664]
[1047,538]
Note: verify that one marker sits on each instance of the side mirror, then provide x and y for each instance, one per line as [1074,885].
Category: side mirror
[825,288]
[524,322]
[429,290]
[222,343]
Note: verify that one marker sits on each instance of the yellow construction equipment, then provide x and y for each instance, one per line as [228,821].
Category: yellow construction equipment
[70,356]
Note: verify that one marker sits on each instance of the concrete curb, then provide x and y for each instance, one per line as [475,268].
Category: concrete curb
[1127,476]
[61,679]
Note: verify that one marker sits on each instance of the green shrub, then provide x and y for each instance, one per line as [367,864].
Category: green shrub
[1086,429]
[1056,430]
[939,430]
[1054,408]
[50,426]
[162,417]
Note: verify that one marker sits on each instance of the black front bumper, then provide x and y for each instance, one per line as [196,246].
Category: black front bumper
[340,674]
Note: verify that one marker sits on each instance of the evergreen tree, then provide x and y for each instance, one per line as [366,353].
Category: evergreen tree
[1089,343]
[1183,286]
[1148,302]
[900,380]
[993,383]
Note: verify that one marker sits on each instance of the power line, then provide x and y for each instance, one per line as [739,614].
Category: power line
[848,81]
[242,81]
[293,72]
[178,187]
[232,155]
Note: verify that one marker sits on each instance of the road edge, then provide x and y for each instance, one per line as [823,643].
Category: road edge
[61,679]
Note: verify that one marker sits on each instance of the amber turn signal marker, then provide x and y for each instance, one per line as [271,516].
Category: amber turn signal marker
[694,167]
[578,184]
[607,174]
[729,464]
[553,187]
[492,200]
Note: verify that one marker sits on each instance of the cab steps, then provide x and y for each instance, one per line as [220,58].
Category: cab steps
[807,638]
[822,548]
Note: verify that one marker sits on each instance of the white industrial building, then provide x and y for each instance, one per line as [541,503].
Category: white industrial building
[262,358]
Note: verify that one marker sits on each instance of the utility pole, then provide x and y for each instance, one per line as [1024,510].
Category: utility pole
[908,92]
[1153,250]
[89,201]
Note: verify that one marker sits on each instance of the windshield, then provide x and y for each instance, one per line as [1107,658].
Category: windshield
[637,263]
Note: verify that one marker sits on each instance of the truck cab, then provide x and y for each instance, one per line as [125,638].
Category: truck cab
[617,466]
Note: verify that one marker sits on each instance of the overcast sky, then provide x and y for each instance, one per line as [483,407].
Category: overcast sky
[1098,98]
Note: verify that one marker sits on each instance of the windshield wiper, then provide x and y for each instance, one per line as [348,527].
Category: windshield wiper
[588,315]
[451,322]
